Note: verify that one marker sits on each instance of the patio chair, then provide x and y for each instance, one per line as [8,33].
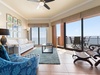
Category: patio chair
[71,40]
[76,43]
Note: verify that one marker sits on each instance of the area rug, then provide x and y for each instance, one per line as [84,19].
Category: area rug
[47,58]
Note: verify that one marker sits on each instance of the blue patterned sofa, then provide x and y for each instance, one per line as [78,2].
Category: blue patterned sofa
[17,65]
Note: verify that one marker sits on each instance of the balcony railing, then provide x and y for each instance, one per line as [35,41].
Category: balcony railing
[87,40]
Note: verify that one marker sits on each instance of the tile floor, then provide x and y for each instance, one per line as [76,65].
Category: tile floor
[67,67]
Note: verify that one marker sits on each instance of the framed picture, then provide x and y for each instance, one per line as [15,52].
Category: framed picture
[19,28]
[15,34]
[9,18]
[15,20]
[11,34]
[19,34]
[19,22]
[9,26]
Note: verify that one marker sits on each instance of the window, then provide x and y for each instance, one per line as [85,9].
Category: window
[39,35]
[35,35]
[42,35]
[73,29]
[58,31]
[92,30]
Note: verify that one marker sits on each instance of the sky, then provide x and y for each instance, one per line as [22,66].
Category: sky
[91,27]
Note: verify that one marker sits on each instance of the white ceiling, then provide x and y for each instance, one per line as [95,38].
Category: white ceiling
[28,10]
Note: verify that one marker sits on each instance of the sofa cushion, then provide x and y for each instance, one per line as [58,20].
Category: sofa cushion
[22,46]
[12,42]
[22,41]
[3,53]
[25,40]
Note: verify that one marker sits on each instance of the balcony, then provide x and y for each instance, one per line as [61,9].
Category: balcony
[88,40]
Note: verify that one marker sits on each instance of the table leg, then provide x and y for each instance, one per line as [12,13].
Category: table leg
[52,49]
[42,49]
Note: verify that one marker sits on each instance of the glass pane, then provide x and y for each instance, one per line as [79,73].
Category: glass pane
[19,34]
[58,31]
[92,30]
[9,26]
[35,35]
[73,35]
[15,34]
[19,28]
[15,28]
[43,35]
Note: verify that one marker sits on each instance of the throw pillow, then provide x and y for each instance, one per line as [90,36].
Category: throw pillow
[12,42]
[3,53]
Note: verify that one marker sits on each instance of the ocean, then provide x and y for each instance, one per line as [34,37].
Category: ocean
[88,39]
[42,40]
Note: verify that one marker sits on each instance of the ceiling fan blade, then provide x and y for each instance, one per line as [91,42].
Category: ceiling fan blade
[45,5]
[48,0]
[34,0]
[38,7]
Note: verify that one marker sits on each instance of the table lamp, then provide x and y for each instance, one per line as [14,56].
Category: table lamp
[4,32]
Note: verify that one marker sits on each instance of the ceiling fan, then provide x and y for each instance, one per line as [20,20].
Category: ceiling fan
[42,3]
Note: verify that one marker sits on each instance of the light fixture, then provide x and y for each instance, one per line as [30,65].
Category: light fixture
[4,32]
[28,29]
[40,5]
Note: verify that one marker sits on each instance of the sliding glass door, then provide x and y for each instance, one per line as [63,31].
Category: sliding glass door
[35,35]
[39,35]
[92,30]
[43,33]
[73,34]
[58,31]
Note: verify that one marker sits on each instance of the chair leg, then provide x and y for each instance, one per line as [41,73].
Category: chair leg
[97,63]
[89,62]
[84,59]
[76,60]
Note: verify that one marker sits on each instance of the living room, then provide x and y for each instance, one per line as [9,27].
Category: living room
[51,25]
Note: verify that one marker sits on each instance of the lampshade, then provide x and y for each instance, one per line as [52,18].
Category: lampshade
[4,31]
[3,38]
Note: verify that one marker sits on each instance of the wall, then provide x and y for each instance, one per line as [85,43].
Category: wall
[4,10]
[49,33]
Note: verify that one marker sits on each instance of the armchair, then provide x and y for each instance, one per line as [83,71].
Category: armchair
[19,65]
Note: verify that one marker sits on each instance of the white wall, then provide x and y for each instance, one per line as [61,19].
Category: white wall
[4,10]
[49,33]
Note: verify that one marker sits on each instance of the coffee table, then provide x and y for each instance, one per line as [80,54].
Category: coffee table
[47,48]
